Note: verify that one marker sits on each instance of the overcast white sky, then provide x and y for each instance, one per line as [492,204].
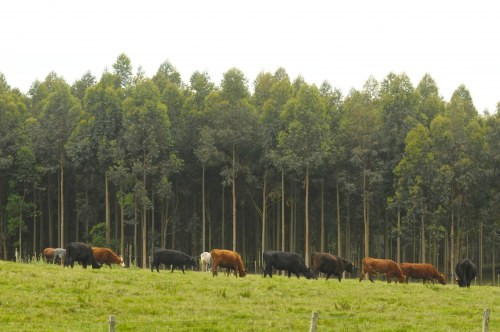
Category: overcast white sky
[343,42]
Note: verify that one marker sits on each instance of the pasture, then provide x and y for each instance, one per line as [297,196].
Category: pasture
[45,297]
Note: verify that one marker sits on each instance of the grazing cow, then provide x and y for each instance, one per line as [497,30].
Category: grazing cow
[82,253]
[60,254]
[374,266]
[107,256]
[227,259]
[465,271]
[205,261]
[422,271]
[48,253]
[330,264]
[289,261]
[172,257]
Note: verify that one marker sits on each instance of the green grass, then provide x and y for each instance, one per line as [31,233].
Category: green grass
[42,297]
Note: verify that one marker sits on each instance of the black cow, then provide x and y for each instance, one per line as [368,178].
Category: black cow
[287,261]
[82,253]
[172,257]
[465,271]
[330,264]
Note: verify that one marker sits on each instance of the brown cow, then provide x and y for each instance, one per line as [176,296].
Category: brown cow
[107,256]
[48,253]
[387,266]
[422,271]
[227,259]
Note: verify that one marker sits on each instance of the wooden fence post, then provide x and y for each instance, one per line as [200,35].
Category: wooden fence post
[486,320]
[112,323]
[314,322]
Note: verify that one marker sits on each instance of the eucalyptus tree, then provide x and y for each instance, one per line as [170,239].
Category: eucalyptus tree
[123,69]
[361,123]
[234,121]
[449,137]
[305,139]
[13,114]
[79,87]
[336,157]
[147,141]
[415,173]
[57,119]
[430,103]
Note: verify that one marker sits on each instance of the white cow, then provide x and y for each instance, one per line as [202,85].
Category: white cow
[206,261]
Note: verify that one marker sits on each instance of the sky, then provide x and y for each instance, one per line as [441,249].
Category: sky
[342,42]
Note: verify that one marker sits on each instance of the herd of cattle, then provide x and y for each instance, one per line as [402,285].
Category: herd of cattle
[284,261]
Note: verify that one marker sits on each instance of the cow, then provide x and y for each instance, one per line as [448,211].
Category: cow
[60,254]
[205,259]
[330,264]
[422,271]
[107,256]
[48,254]
[288,261]
[465,272]
[82,253]
[227,259]
[172,257]
[374,266]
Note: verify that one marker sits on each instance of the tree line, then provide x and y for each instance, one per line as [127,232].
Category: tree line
[132,162]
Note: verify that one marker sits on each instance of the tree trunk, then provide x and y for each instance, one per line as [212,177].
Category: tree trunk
[422,236]
[348,229]
[122,230]
[398,241]
[62,200]
[34,221]
[49,212]
[339,234]
[452,234]
[481,258]
[153,233]
[493,263]
[387,253]
[136,253]
[264,213]
[322,218]
[234,198]
[282,210]
[223,226]
[203,220]
[108,221]
[365,218]
[306,258]
[144,215]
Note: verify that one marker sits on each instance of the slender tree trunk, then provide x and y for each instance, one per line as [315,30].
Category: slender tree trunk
[108,221]
[136,252]
[398,241]
[282,210]
[387,253]
[365,218]
[339,234]
[153,233]
[34,221]
[422,235]
[234,197]
[277,227]
[223,229]
[348,228]
[481,258]
[264,213]
[322,231]
[122,230]
[452,234]
[203,221]
[86,219]
[62,200]
[493,262]
[144,214]
[49,212]
[77,223]
[291,235]
[306,258]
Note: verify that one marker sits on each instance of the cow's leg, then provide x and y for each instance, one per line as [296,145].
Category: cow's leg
[289,273]
[340,277]
[182,267]
[214,269]
[370,277]
[328,276]
[361,275]
[173,267]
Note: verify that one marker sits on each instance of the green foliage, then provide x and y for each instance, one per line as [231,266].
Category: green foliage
[98,235]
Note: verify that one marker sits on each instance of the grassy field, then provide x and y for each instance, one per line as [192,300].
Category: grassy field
[42,297]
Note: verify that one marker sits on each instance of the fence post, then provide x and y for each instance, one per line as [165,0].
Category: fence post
[486,320]
[314,322]
[112,323]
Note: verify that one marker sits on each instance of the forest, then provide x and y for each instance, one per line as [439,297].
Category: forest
[132,162]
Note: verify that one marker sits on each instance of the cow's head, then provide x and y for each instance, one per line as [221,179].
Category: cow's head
[349,266]
[442,279]
[122,263]
[243,272]
[461,283]
[308,273]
